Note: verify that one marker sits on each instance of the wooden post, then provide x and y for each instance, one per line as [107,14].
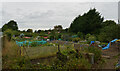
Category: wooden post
[20,51]
[58,48]
[28,45]
[92,58]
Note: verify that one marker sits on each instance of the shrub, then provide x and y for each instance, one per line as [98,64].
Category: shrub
[96,51]
[91,38]
[80,34]
[8,33]
[33,44]
[87,36]
[76,39]
[81,63]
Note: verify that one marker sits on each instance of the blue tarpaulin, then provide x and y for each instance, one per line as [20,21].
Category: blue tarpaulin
[59,39]
[109,44]
[30,42]
[92,42]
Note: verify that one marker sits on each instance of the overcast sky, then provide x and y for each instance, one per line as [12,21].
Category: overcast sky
[45,15]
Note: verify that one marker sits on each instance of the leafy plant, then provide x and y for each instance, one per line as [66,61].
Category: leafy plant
[97,52]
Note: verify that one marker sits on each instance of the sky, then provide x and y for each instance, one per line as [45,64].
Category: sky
[59,0]
[119,11]
[45,15]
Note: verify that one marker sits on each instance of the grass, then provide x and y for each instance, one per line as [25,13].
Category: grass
[38,52]
[44,51]
[13,60]
[9,53]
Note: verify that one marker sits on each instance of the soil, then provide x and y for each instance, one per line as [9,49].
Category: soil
[110,62]
[44,60]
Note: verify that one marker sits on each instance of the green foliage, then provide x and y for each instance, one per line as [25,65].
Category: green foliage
[81,63]
[34,44]
[109,33]
[81,35]
[108,23]
[76,39]
[10,25]
[89,22]
[20,63]
[97,52]
[87,36]
[91,38]
[8,33]
[30,30]
[58,27]
[51,37]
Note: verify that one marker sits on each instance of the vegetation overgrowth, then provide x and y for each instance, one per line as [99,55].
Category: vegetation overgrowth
[60,46]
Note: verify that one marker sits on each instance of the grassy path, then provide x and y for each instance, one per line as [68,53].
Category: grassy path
[113,53]
[110,62]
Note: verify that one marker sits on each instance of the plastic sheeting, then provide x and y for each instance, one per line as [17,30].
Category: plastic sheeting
[29,42]
[109,44]
[92,42]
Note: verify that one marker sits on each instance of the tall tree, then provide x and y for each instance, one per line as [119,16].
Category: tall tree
[30,30]
[89,22]
[10,25]
[110,31]
[108,23]
[58,27]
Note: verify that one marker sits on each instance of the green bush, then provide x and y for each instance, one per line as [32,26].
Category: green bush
[81,63]
[87,36]
[96,51]
[76,39]
[20,63]
[8,33]
[34,44]
[91,38]
[80,34]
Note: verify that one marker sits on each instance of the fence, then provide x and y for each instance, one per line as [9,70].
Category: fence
[28,43]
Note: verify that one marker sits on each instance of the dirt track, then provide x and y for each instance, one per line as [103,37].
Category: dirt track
[112,59]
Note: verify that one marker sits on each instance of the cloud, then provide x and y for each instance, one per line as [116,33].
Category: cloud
[45,15]
[60,0]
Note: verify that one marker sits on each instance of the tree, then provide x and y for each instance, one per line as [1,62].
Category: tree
[8,33]
[108,23]
[39,31]
[89,22]
[80,35]
[0,29]
[10,25]
[30,30]
[87,36]
[109,32]
[58,27]
[66,30]
[35,31]
[91,38]
[23,31]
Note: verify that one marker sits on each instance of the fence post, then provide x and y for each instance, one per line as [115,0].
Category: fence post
[92,58]
[58,48]
[20,50]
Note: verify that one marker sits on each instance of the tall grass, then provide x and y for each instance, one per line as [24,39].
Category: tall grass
[11,58]
[10,48]
[44,51]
